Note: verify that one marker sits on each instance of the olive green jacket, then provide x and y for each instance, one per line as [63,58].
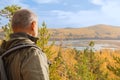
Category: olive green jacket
[24,64]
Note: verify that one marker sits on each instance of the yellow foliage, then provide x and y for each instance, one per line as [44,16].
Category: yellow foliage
[107,56]
[68,56]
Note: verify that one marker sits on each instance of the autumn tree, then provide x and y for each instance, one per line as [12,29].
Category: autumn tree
[115,68]
[56,69]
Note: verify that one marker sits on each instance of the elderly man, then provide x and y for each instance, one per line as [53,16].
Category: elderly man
[28,63]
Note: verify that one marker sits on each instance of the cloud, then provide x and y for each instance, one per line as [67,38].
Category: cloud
[112,9]
[46,1]
[80,18]
[98,2]
[109,7]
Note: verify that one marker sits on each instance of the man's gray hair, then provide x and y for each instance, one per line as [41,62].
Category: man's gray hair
[23,18]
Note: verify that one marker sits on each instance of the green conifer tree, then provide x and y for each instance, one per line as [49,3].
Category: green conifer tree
[88,67]
[43,42]
[7,13]
[44,37]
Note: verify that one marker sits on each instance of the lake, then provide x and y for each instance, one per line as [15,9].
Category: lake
[82,44]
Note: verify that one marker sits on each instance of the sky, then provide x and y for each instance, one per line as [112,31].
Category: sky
[71,13]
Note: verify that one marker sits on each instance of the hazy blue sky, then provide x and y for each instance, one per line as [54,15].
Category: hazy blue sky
[72,13]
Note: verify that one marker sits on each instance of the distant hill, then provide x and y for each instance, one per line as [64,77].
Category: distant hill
[100,31]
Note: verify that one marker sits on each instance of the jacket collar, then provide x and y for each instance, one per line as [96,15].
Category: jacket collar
[24,35]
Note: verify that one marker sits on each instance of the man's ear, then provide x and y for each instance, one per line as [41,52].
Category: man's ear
[33,25]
